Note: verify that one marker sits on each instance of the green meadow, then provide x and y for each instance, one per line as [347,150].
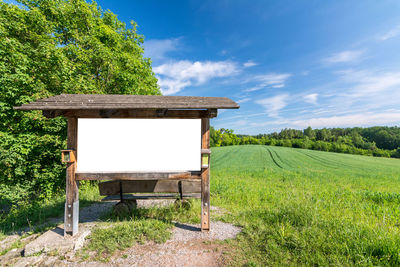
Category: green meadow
[303,207]
[297,207]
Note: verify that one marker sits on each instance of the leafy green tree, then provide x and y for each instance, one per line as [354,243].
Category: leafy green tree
[396,153]
[49,47]
[309,132]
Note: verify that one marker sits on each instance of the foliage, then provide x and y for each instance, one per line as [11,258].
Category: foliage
[374,141]
[34,215]
[307,208]
[51,47]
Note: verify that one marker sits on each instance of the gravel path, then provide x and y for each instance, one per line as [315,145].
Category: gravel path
[190,232]
[187,246]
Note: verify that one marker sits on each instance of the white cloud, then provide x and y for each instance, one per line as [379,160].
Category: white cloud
[243,100]
[249,63]
[362,119]
[311,98]
[391,34]
[157,49]
[345,56]
[171,86]
[174,76]
[255,88]
[369,82]
[274,104]
[274,80]
[365,119]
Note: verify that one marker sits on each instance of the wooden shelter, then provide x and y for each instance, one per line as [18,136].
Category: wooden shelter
[74,107]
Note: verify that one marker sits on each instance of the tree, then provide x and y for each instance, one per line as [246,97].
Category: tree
[396,153]
[51,47]
[309,132]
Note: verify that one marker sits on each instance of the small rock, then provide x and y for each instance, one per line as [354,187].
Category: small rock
[12,254]
[54,240]
[121,209]
[132,203]
[50,261]
[80,241]
[8,241]
[29,261]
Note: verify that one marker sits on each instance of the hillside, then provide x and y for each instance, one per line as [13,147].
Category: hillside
[376,141]
[258,157]
[303,207]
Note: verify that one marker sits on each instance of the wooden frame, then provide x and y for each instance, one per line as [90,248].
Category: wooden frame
[137,175]
[205,177]
[133,106]
[71,218]
[133,113]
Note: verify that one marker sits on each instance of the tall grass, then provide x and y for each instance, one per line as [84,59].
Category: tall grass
[300,207]
[35,213]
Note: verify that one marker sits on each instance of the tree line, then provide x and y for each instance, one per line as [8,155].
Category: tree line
[376,141]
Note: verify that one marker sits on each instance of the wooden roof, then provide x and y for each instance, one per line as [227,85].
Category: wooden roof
[115,102]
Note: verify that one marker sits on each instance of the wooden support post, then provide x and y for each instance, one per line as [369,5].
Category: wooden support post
[180,190]
[121,192]
[71,217]
[205,177]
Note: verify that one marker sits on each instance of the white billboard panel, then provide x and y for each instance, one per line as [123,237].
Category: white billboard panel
[139,145]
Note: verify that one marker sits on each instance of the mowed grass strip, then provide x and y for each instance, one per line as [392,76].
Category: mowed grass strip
[303,207]
[122,235]
[119,232]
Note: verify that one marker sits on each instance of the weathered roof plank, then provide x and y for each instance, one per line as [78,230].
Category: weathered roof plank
[81,101]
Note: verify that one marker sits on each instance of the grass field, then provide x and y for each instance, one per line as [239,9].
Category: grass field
[296,207]
[303,207]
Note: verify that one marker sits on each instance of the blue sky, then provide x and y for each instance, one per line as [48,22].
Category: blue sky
[287,63]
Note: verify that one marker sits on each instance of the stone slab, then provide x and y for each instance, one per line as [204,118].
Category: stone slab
[54,240]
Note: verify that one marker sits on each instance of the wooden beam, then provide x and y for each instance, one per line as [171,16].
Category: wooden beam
[133,113]
[205,176]
[71,216]
[149,186]
[138,175]
[151,196]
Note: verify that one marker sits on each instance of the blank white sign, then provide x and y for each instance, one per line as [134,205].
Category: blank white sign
[138,145]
